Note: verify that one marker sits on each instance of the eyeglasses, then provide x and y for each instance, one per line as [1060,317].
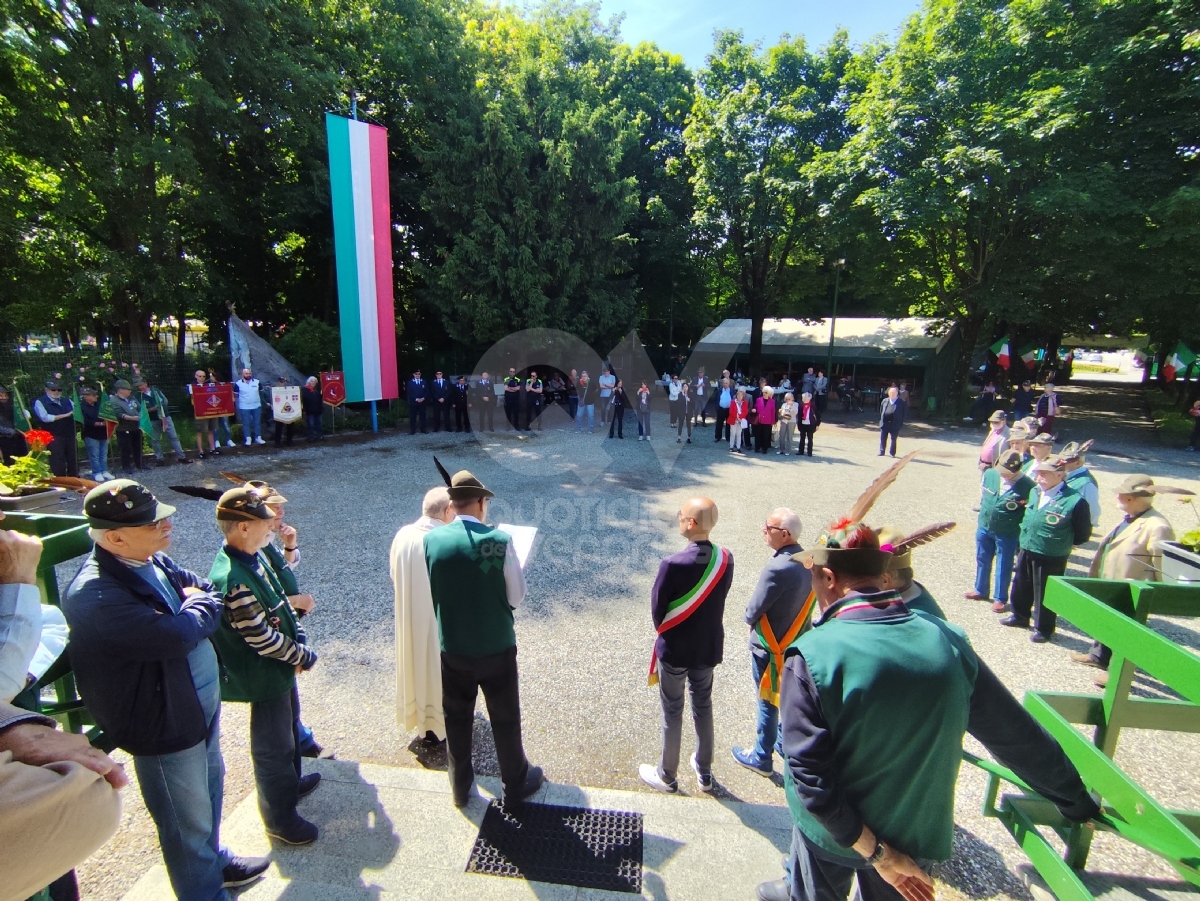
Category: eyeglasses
[776,528]
[163,525]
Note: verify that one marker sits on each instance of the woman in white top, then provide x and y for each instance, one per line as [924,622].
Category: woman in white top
[787,423]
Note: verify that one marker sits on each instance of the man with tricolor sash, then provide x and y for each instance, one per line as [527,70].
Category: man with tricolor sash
[687,605]
[777,612]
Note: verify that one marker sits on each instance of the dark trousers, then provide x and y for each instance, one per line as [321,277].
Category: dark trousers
[512,412]
[441,415]
[12,446]
[282,428]
[814,878]
[275,752]
[63,458]
[462,419]
[572,405]
[130,445]
[1029,588]
[722,425]
[762,436]
[487,416]
[822,401]
[462,677]
[1195,436]
[806,433]
[618,422]
[416,411]
[312,426]
[884,431]
[533,409]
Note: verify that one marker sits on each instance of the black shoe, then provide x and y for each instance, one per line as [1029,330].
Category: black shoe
[299,832]
[432,740]
[215,452]
[533,781]
[201,455]
[243,871]
[183,461]
[773,891]
[1015,621]
[308,784]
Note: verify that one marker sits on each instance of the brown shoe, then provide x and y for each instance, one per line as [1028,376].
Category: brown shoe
[1101,680]
[1085,659]
[999,606]
[974,596]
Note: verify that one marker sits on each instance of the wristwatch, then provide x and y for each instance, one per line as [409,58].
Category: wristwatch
[877,854]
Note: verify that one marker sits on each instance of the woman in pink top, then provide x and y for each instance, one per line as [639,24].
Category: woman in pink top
[764,407]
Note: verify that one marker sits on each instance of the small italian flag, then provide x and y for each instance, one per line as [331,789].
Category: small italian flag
[1002,352]
[1179,360]
[1030,354]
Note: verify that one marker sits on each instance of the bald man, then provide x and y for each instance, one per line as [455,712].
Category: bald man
[687,605]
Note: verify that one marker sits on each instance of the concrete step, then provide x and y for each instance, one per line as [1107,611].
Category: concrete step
[392,832]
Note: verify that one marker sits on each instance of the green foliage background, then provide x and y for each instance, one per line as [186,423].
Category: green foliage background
[1027,168]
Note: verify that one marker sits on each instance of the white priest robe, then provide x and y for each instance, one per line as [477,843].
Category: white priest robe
[418,650]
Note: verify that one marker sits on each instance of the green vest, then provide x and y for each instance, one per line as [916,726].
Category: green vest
[924,602]
[1002,515]
[896,696]
[466,576]
[247,675]
[1049,531]
[1027,466]
[1081,477]
[277,563]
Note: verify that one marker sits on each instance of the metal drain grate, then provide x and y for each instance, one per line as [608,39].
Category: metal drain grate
[565,845]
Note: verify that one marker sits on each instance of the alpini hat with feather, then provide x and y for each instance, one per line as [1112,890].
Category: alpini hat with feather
[462,486]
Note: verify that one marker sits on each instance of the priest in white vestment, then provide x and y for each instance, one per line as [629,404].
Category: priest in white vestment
[418,649]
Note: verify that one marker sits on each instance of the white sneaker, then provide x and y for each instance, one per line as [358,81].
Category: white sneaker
[705,780]
[648,773]
[229,443]
[259,441]
[248,442]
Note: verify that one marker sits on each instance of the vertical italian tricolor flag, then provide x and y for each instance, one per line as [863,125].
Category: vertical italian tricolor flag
[1179,360]
[362,237]
[1000,349]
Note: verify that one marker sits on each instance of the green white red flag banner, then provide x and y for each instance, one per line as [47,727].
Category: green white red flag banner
[1002,352]
[1179,360]
[362,240]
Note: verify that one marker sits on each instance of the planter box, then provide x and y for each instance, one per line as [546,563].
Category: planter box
[1179,565]
[40,500]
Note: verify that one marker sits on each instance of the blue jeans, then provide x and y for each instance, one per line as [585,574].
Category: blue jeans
[590,411]
[987,547]
[313,425]
[183,793]
[251,421]
[768,716]
[97,454]
[222,426]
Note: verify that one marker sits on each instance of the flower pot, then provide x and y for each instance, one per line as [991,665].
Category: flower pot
[1179,564]
[32,499]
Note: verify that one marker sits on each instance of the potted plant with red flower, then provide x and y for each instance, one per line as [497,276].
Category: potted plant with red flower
[24,483]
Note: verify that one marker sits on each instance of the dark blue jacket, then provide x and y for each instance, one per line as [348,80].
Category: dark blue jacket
[129,652]
[700,639]
[437,393]
[783,587]
[415,390]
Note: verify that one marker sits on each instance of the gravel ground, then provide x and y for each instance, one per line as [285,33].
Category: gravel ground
[606,511]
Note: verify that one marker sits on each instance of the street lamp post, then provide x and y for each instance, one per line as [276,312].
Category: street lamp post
[838,266]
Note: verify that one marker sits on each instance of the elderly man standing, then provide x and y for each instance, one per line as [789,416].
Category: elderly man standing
[418,660]
[129,431]
[312,404]
[892,410]
[476,581]
[1080,478]
[1056,518]
[1130,551]
[1001,508]
[777,611]
[56,414]
[687,605]
[145,666]
[59,800]
[262,647]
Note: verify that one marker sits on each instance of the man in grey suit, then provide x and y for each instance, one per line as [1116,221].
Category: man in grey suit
[777,611]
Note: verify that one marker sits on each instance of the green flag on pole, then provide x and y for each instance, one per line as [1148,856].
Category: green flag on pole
[20,413]
[144,419]
[108,412]
[78,412]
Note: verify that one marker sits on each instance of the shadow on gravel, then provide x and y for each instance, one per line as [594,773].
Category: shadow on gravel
[1115,886]
[977,870]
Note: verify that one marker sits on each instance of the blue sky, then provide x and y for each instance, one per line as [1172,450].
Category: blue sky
[686,26]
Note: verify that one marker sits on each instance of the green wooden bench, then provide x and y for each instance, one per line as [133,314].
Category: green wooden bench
[1114,613]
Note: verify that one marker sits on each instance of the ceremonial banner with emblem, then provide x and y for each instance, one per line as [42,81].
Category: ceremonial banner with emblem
[285,403]
[210,401]
[333,388]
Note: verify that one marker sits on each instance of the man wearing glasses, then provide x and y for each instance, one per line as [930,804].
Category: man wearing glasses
[145,667]
[57,416]
[776,613]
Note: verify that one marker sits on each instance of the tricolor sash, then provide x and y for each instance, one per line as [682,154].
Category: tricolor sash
[768,686]
[683,607]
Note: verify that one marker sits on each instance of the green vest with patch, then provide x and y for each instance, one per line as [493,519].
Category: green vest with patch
[279,566]
[1048,531]
[1001,514]
[896,696]
[246,675]
[466,575]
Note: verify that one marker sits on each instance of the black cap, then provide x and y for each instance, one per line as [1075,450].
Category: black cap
[121,383]
[122,504]
[53,385]
[244,504]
